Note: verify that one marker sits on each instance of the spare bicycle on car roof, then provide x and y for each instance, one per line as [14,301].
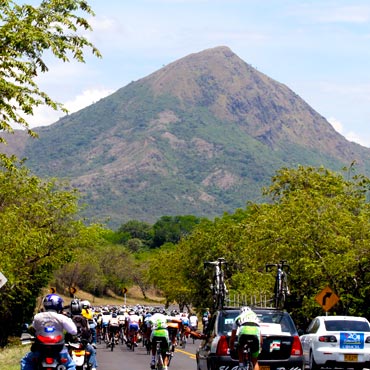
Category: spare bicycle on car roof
[218,286]
[281,288]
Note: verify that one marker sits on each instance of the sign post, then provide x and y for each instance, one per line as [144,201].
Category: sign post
[327,299]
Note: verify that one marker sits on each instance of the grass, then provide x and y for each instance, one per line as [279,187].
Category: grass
[11,355]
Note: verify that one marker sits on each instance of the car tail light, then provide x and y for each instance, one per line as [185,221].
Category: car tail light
[296,347]
[49,360]
[327,338]
[222,346]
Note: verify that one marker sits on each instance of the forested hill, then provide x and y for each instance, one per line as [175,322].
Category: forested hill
[200,136]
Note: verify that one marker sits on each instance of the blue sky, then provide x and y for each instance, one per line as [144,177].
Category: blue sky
[320,49]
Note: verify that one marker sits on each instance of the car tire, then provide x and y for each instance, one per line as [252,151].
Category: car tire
[313,365]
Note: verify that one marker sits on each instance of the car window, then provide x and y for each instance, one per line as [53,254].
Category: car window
[276,322]
[225,324]
[346,325]
[314,326]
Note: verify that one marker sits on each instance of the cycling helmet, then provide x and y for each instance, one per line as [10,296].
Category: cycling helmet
[114,314]
[76,307]
[245,309]
[52,302]
[85,304]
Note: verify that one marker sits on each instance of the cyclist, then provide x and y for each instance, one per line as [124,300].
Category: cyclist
[133,323]
[193,321]
[51,318]
[205,318]
[113,327]
[184,324]
[104,322]
[246,325]
[159,332]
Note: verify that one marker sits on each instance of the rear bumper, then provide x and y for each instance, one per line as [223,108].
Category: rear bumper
[292,363]
[227,363]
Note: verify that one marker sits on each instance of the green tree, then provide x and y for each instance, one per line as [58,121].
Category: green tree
[319,222]
[315,219]
[26,34]
[39,233]
[170,229]
[135,229]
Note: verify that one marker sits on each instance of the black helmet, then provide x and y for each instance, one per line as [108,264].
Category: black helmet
[76,307]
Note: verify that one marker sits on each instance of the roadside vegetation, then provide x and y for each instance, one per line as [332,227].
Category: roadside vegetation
[316,219]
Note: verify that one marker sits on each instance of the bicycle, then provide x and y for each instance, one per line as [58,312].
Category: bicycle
[98,334]
[247,353]
[159,360]
[121,335]
[281,288]
[132,340]
[112,342]
[182,338]
[218,285]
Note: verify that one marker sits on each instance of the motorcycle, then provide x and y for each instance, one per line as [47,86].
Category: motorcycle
[49,348]
[79,355]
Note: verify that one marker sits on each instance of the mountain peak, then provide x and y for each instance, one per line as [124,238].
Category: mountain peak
[199,136]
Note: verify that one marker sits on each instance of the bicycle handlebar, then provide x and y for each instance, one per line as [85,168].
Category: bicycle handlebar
[220,261]
[282,264]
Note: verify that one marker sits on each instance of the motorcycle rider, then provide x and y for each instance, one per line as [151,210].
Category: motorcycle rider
[51,319]
[84,332]
[88,313]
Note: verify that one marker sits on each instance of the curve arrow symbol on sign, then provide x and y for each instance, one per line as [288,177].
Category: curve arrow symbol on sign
[325,297]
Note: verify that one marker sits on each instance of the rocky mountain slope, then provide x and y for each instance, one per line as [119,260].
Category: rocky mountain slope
[200,136]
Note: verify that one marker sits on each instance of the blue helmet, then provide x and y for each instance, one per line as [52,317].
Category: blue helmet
[53,302]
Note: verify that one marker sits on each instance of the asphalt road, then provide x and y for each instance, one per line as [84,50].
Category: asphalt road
[123,359]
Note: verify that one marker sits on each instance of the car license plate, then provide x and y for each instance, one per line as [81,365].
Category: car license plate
[350,358]
[264,367]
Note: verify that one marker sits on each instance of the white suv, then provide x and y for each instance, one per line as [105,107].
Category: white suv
[337,341]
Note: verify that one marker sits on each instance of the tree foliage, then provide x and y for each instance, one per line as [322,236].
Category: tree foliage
[39,233]
[26,34]
[315,219]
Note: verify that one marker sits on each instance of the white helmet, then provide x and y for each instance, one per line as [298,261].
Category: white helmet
[85,304]
[245,309]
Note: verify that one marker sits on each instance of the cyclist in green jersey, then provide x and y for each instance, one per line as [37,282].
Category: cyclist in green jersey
[246,326]
[159,333]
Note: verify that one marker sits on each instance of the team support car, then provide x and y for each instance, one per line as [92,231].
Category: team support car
[337,341]
[281,347]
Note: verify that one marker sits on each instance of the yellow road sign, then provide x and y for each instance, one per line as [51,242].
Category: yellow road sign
[327,298]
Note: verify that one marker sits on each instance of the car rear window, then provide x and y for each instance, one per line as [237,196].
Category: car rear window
[270,322]
[346,325]
[276,322]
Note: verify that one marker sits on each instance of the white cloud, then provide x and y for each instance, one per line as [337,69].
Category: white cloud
[44,116]
[87,97]
[349,135]
[336,124]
